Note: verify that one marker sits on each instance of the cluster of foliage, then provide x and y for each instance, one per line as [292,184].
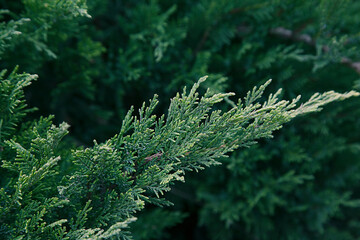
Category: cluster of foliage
[96,59]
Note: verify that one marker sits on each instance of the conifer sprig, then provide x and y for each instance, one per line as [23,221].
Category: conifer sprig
[140,163]
[12,102]
[113,180]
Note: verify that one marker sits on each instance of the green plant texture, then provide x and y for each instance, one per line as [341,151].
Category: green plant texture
[84,153]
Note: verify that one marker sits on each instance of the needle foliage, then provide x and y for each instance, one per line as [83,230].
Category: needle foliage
[92,158]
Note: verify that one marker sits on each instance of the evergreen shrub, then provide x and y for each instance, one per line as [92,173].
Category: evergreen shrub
[76,163]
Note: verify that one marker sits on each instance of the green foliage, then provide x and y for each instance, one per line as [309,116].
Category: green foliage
[96,59]
[151,224]
[12,108]
[116,178]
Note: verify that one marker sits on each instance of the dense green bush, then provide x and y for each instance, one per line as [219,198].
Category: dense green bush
[95,59]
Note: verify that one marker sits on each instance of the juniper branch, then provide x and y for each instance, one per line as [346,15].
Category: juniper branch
[150,153]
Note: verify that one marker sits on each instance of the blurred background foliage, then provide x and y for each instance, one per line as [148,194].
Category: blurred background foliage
[96,58]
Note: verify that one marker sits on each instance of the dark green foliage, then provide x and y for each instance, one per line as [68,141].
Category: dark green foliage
[96,59]
[151,224]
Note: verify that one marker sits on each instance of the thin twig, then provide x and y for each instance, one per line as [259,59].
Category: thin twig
[202,41]
[305,38]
